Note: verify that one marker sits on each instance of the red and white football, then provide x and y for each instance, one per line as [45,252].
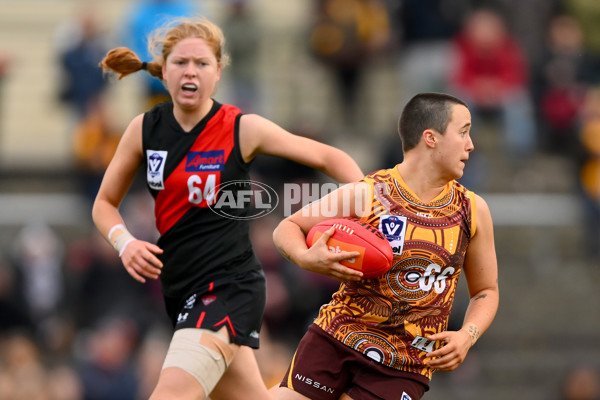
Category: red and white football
[351,234]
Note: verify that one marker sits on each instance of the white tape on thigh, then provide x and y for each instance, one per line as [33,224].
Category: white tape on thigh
[201,353]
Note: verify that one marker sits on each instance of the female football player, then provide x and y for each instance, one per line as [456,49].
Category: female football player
[213,285]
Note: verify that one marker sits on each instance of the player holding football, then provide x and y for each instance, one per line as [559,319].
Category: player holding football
[383,338]
[212,282]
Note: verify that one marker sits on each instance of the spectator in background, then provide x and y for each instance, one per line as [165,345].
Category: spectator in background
[149,360]
[588,14]
[424,29]
[94,140]
[559,85]
[527,21]
[81,45]
[64,383]
[38,257]
[13,315]
[346,35]
[581,383]
[490,72]
[101,270]
[243,40]
[22,373]
[143,18]
[92,267]
[590,168]
[107,368]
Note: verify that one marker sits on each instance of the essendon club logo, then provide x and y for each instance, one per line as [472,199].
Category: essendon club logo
[207,299]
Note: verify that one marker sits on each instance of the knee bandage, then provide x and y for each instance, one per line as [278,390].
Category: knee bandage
[201,353]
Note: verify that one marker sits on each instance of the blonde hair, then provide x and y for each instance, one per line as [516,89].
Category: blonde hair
[124,61]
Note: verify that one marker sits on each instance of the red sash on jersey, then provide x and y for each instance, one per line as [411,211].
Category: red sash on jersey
[195,180]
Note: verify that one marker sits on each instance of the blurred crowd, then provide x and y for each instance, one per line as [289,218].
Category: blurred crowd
[74,325]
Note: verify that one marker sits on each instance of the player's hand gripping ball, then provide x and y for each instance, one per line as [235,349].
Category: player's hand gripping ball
[351,234]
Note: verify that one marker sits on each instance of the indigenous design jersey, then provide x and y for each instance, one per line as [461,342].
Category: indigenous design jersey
[184,171]
[388,318]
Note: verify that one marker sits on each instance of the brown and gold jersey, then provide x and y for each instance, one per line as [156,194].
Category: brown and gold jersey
[388,318]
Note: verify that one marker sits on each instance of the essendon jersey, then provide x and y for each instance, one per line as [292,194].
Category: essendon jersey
[184,171]
[389,318]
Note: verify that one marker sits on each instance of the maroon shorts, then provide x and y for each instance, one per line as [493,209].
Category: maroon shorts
[324,369]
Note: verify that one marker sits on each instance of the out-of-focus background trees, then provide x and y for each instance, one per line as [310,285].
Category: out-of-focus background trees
[73,325]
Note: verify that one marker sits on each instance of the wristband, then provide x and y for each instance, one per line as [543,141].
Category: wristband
[113,229]
[122,240]
[121,247]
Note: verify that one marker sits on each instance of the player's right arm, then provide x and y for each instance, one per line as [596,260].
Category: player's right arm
[137,256]
[258,135]
[290,235]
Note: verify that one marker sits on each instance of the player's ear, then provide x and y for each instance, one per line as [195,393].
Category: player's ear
[219,69]
[429,137]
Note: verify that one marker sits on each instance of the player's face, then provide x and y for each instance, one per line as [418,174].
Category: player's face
[456,143]
[191,72]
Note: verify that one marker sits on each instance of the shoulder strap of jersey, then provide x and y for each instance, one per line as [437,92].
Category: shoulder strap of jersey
[161,131]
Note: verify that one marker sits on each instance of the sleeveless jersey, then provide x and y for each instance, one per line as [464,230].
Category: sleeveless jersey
[184,171]
[388,318]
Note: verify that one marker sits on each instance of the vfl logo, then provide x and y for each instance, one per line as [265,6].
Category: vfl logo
[156,166]
[393,227]
[205,161]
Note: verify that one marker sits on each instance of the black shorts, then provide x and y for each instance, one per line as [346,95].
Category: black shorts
[324,369]
[238,303]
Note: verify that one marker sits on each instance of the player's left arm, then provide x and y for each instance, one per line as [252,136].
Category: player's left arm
[481,271]
[258,135]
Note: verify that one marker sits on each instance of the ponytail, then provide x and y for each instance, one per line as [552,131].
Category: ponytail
[124,61]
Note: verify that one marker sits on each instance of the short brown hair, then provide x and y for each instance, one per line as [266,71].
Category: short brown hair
[425,111]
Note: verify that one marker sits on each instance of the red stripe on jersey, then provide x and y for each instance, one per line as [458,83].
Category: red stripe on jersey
[211,286]
[191,181]
[200,319]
